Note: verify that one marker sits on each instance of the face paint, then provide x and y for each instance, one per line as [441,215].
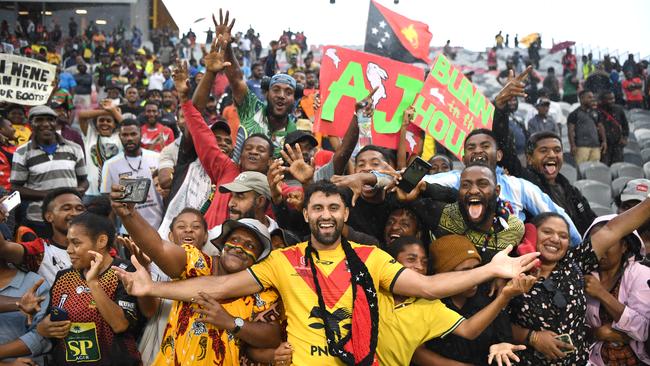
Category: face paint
[241,247]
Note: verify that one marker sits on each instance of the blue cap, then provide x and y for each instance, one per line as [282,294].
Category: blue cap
[283,79]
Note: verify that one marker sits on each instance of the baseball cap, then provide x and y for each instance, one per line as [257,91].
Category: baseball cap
[299,135]
[41,110]
[220,125]
[246,182]
[451,250]
[289,238]
[542,100]
[635,190]
[252,225]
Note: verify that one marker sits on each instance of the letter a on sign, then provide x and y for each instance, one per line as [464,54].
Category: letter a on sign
[348,76]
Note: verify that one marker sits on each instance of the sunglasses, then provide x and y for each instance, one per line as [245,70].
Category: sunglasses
[558,298]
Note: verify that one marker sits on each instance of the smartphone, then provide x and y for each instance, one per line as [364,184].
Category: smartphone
[414,174]
[136,190]
[12,201]
[566,339]
[58,314]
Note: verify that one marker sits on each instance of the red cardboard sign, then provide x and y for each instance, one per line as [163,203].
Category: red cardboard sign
[347,76]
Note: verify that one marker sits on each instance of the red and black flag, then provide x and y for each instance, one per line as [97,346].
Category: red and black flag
[392,35]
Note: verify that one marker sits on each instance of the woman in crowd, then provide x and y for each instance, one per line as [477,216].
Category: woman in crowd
[618,306]
[91,317]
[101,140]
[550,319]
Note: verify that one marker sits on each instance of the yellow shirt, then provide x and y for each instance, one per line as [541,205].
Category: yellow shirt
[188,341]
[403,327]
[23,133]
[288,272]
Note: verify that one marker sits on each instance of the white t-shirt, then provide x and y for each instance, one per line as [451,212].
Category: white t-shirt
[245,44]
[121,166]
[109,146]
[156,81]
[54,260]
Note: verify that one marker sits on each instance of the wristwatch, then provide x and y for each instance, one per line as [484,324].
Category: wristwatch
[239,322]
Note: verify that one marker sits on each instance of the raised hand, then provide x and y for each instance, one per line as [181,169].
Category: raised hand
[298,168]
[136,283]
[515,87]
[411,196]
[275,178]
[134,250]
[504,266]
[222,28]
[365,104]
[215,59]
[30,303]
[182,80]
[95,266]
[212,312]
[504,352]
[120,208]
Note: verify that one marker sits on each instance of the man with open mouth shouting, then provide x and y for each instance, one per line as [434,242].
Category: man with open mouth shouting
[544,154]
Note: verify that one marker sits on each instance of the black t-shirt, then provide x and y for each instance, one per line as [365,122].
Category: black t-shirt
[133,110]
[476,351]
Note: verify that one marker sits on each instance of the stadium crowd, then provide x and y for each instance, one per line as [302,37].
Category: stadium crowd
[181,210]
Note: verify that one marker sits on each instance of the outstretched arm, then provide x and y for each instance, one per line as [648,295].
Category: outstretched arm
[475,325]
[169,257]
[441,285]
[234,285]
[233,72]
[619,227]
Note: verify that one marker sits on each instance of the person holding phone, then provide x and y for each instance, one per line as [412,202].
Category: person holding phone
[550,319]
[91,317]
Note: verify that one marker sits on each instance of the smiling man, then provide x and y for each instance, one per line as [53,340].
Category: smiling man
[45,162]
[329,285]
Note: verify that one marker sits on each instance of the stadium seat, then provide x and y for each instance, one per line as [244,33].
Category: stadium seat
[641,124]
[633,145]
[631,150]
[595,191]
[630,170]
[614,168]
[597,171]
[642,134]
[646,169]
[457,165]
[569,172]
[601,210]
[618,184]
[644,144]
[569,159]
[633,158]
[645,154]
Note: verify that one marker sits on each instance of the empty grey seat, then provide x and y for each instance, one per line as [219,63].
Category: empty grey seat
[646,170]
[618,184]
[634,171]
[600,210]
[569,159]
[595,191]
[615,167]
[457,165]
[569,172]
[644,144]
[633,145]
[596,170]
[633,158]
[645,154]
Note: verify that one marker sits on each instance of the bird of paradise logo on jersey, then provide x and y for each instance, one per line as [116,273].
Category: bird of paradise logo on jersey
[411,35]
[331,320]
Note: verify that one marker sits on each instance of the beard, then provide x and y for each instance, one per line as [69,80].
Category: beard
[326,238]
[490,206]
[249,214]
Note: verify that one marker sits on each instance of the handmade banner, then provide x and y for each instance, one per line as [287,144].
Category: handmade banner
[449,106]
[25,81]
[347,76]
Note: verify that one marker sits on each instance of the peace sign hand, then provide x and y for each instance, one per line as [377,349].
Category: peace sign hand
[515,87]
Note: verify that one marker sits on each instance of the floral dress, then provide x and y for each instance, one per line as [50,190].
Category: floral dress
[558,304]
